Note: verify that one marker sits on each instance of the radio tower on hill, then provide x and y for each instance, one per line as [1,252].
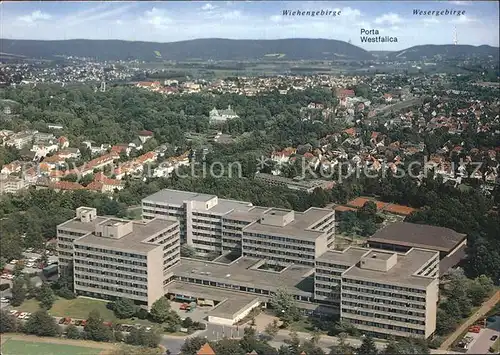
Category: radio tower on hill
[455,36]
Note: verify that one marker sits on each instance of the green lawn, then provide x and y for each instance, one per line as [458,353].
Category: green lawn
[78,308]
[18,347]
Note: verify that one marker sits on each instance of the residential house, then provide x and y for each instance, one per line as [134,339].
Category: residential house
[145,135]
[218,116]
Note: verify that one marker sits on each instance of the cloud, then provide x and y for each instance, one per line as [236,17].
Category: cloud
[350,13]
[461,3]
[463,19]
[157,18]
[101,12]
[35,16]
[276,18]
[430,20]
[231,15]
[208,7]
[388,19]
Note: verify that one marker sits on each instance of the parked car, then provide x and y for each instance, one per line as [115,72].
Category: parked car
[78,322]
[23,315]
[61,321]
[494,337]
[4,300]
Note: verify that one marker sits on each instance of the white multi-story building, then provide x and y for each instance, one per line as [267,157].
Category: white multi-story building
[114,258]
[213,225]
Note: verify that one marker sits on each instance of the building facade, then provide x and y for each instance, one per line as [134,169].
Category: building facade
[113,258]
[213,225]
[383,293]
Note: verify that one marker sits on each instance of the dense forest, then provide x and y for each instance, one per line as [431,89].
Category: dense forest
[117,115]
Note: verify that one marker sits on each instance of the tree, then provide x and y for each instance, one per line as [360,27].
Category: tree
[284,306]
[293,342]
[228,347]
[8,323]
[368,346]
[160,311]
[72,332]
[18,269]
[46,296]
[95,329]
[192,345]
[342,346]
[124,308]
[187,251]
[391,348]
[272,329]
[18,292]
[42,324]
[367,211]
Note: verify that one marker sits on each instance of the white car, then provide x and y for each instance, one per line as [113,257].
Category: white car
[30,265]
[13,312]
[10,277]
[22,315]
[4,300]
[14,262]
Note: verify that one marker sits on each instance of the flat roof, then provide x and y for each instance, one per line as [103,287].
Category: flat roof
[418,236]
[240,272]
[224,206]
[251,215]
[76,224]
[298,228]
[177,197]
[231,301]
[378,254]
[401,273]
[347,257]
[134,241]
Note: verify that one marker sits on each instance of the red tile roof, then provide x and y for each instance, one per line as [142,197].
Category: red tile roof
[206,350]
[399,209]
[344,208]
[360,201]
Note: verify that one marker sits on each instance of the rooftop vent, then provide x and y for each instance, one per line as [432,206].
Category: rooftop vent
[228,275]
[374,256]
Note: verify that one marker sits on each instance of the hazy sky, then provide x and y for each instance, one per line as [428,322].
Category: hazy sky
[177,20]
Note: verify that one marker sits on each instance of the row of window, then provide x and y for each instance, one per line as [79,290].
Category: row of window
[280,239]
[110,251]
[382,309]
[110,281]
[299,254]
[386,326]
[377,300]
[110,259]
[331,265]
[112,274]
[74,234]
[327,272]
[112,289]
[110,266]
[380,285]
[252,242]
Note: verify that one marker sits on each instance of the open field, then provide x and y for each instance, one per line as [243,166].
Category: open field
[78,308]
[14,344]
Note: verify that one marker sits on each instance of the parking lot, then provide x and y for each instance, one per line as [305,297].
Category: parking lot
[483,341]
[199,314]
